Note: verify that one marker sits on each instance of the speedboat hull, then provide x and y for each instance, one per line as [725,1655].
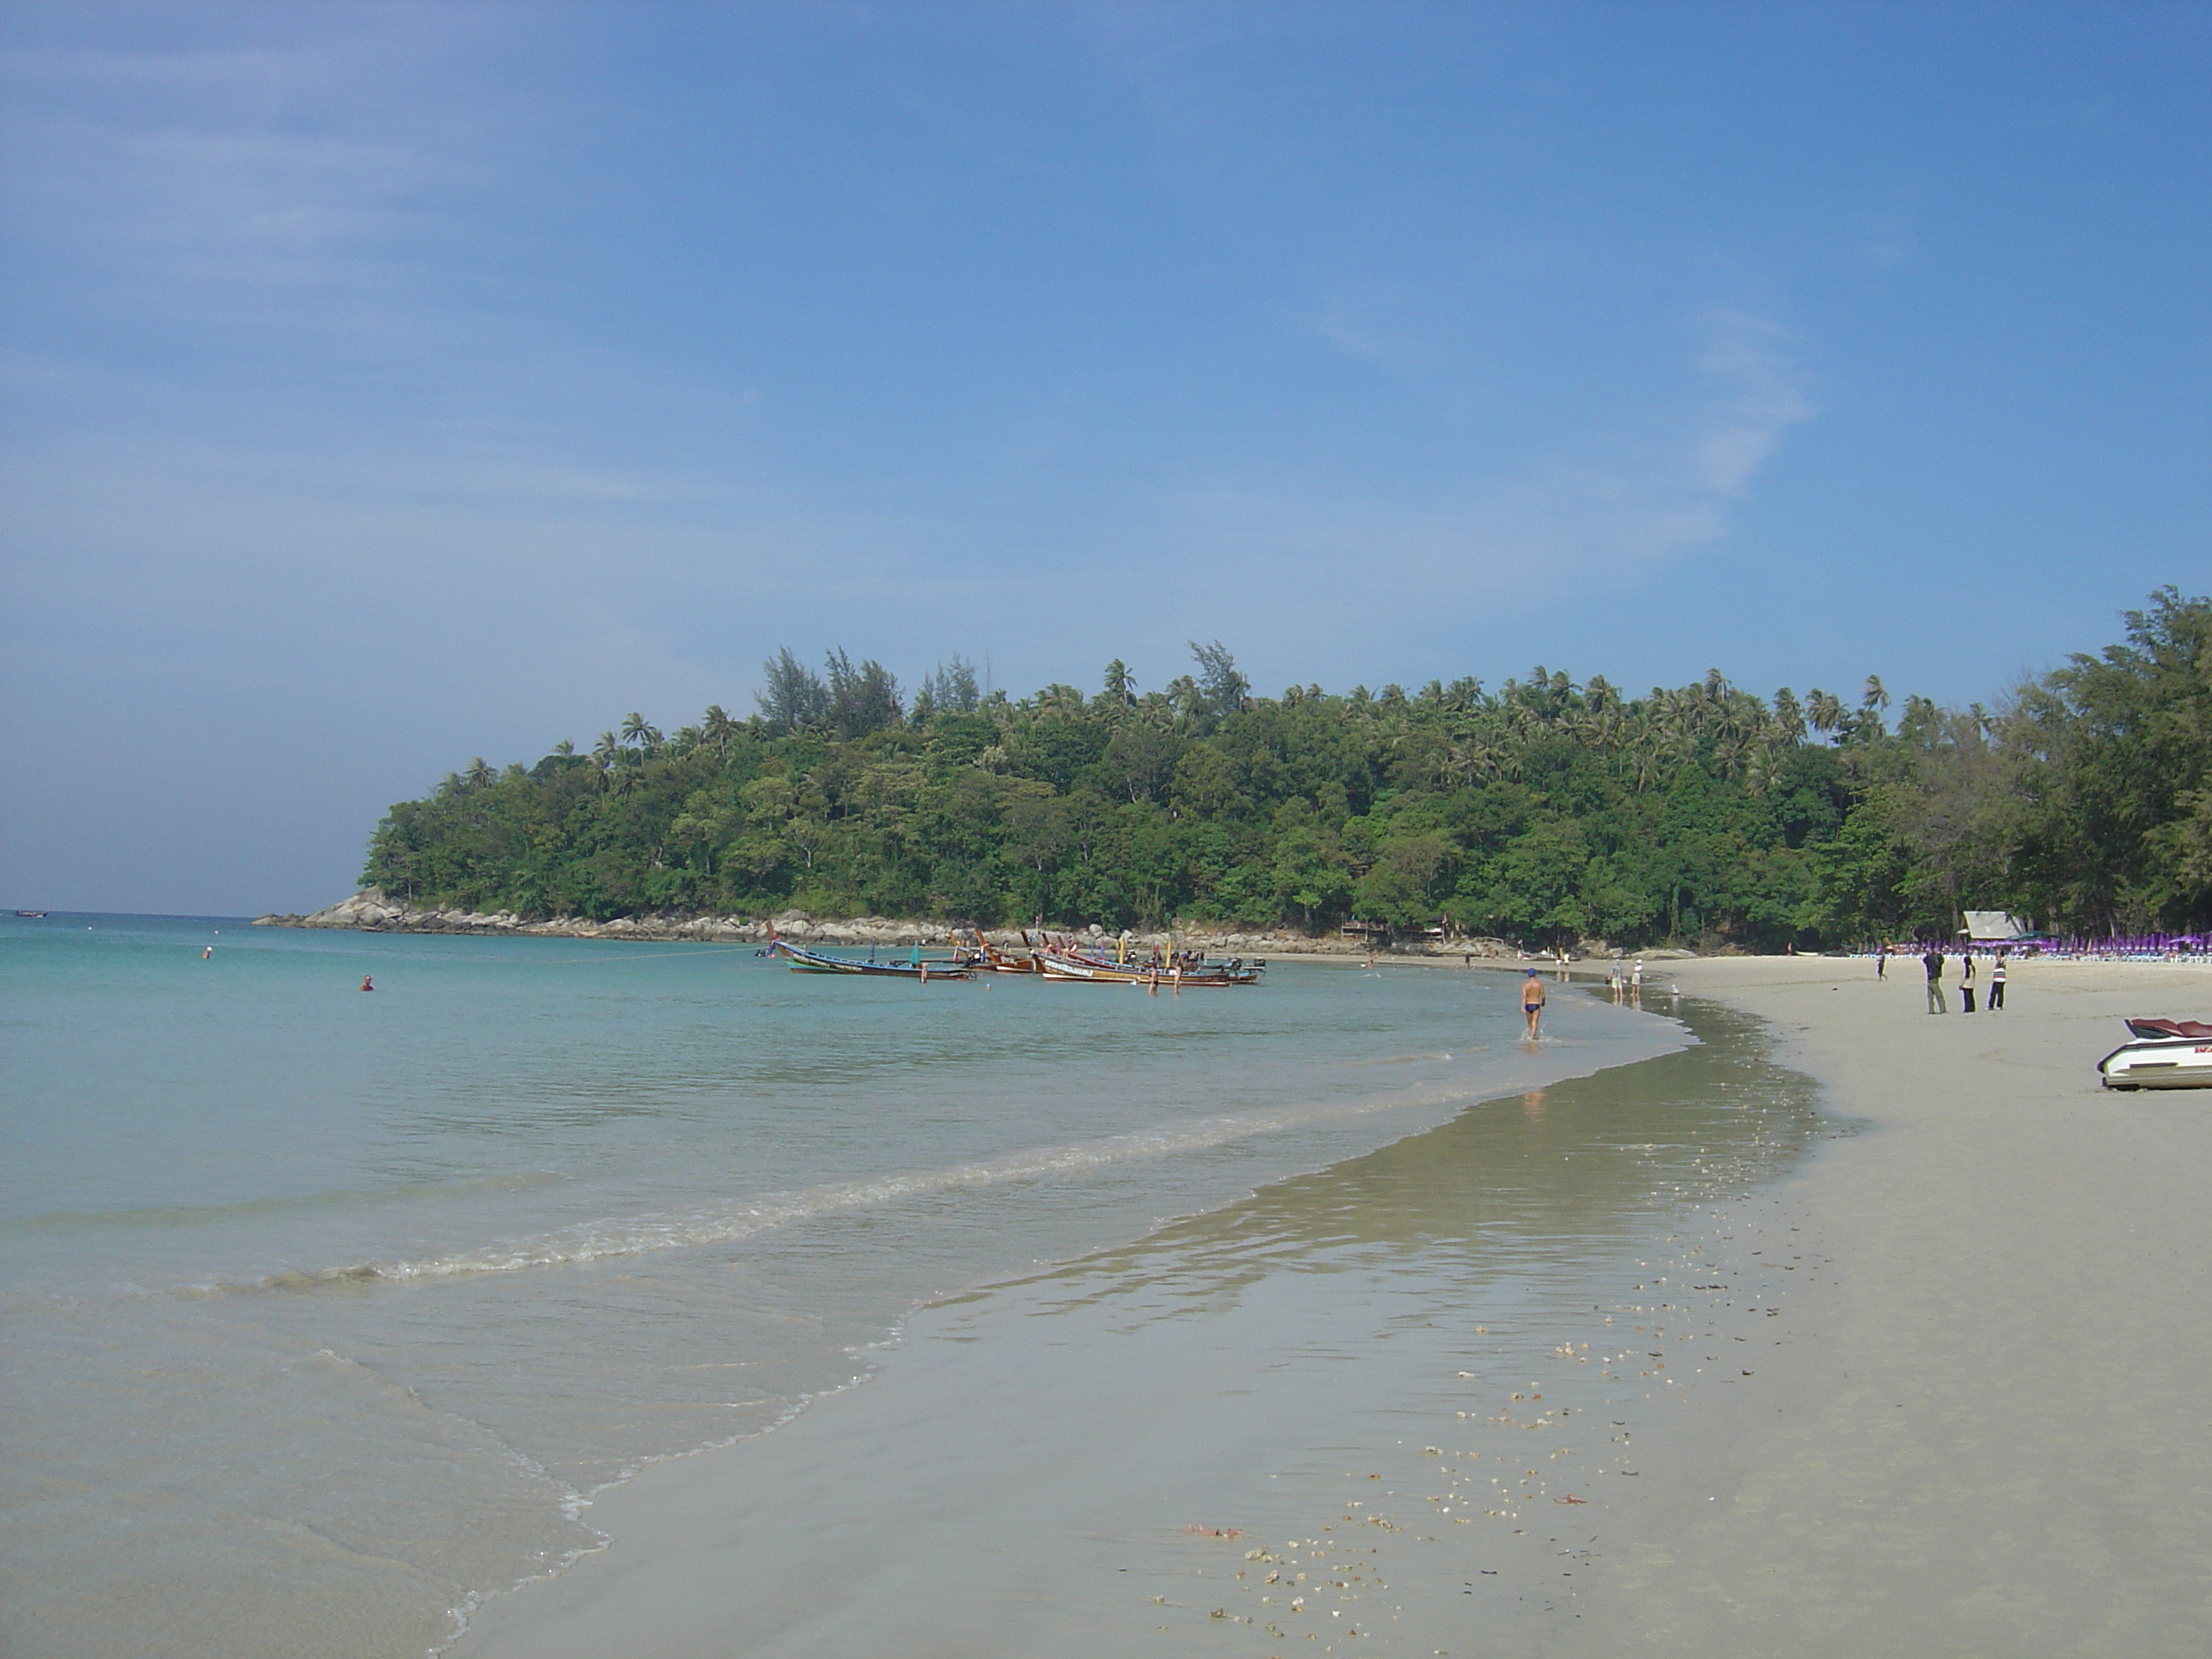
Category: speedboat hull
[2159,1063]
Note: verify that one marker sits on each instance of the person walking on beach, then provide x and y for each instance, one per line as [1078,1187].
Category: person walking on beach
[1933,962]
[1881,962]
[1997,982]
[1532,1001]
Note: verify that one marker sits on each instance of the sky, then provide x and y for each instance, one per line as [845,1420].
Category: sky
[384,385]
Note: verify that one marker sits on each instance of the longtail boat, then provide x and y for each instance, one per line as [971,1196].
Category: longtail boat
[987,959]
[1059,967]
[803,961]
[1065,966]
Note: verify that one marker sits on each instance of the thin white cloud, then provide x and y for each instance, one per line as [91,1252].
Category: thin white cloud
[1649,492]
[1757,391]
[302,166]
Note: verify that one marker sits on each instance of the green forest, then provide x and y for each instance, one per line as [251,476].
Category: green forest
[1540,812]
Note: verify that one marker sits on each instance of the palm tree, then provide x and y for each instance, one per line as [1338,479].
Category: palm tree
[1789,718]
[479,774]
[1758,769]
[637,729]
[716,728]
[564,748]
[1823,712]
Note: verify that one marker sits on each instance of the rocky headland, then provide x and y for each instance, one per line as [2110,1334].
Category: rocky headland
[371,911]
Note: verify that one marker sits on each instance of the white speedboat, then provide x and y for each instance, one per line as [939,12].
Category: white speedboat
[2165,1054]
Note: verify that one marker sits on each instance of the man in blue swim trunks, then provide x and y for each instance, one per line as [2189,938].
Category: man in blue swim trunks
[1532,1001]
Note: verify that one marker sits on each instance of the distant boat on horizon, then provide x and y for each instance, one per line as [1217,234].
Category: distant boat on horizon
[34,915]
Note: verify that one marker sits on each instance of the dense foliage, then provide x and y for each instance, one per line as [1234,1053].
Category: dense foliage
[1546,809]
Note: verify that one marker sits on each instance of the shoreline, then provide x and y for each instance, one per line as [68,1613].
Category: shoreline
[370,912]
[1983,1432]
[800,1540]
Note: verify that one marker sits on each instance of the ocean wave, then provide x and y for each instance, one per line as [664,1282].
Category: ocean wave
[743,1219]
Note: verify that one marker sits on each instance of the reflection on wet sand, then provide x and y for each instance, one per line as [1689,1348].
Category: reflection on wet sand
[1560,1175]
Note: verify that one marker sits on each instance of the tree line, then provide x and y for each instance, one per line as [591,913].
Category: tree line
[1546,810]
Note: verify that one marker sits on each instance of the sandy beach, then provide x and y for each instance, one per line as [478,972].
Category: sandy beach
[1936,1387]
[1993,1434]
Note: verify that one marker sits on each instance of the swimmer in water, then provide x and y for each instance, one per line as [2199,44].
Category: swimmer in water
[365,984]
[205,954]
[1532,1001]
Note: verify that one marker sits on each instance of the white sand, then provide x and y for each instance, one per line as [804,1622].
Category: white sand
[1995,1435]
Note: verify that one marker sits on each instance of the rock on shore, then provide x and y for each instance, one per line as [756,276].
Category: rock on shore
[371,911]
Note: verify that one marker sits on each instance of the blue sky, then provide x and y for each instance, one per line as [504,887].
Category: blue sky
[388,385]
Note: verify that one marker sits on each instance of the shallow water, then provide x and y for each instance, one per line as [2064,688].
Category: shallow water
[1404,1405]
[324,1309]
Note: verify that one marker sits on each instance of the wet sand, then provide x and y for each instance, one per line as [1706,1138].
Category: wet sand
[1621,1365]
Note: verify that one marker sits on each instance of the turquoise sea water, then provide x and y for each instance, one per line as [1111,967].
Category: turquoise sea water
[324,1308]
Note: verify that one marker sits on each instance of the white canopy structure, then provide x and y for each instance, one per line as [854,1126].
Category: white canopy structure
[1994,926]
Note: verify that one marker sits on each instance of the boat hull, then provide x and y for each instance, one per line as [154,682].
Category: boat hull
[809,961]
[1065,968]
[2160,1063]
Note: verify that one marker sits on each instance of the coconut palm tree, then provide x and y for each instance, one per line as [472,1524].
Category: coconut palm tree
[638,730]
[717,728]
[1789,718]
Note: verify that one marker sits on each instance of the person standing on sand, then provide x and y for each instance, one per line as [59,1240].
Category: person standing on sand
[1933,962]
[1997,982]
[1532,1001]
[1966,980]
[1881,962]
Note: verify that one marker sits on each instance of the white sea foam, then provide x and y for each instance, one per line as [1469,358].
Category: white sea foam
[743,1219]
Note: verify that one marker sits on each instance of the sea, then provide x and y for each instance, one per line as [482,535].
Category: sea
[331,1311]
